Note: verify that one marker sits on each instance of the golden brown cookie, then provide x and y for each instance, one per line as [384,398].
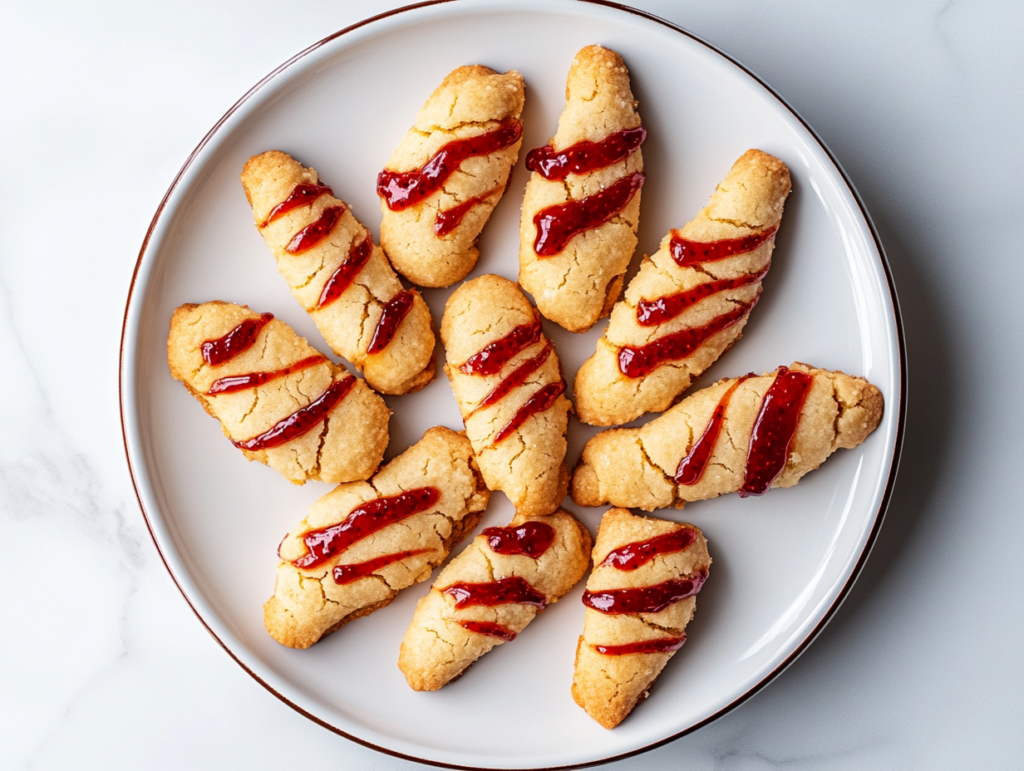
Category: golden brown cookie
[741,435]
[364,542]
[339,276]
[590,171]
[640,597]
[508,383]
[278,399]
[440,186]
[690,301]
[489,593]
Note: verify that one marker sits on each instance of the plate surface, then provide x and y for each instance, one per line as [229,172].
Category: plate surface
[781,563]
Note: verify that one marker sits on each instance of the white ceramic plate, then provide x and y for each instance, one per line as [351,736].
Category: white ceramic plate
[782,563]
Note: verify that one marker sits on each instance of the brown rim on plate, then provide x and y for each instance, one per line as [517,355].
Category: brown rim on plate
[897,446]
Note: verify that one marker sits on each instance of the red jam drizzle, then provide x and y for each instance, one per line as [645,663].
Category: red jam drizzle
[235,383]
[774,429]
[346,574]
[302,195]
[650,313]
[639,553]
[508,591]
[540,401]
[490,629]
[586,156]
[693,252]
[557,225]
[645,599]
[662,645]
[402,189]
[643,360]
[496,355]
[363,521]
[529,538]
[396,310]
[315,232]
[516,379]
[346,273]
[237,341]
[691,467]
[300,421]
[449,219]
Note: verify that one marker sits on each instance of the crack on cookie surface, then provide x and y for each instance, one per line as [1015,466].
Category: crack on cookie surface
[646,459]
[315,471]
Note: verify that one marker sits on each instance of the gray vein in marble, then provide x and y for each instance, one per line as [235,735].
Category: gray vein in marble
[47,482]
[50,477]
[740,760]
[942,22]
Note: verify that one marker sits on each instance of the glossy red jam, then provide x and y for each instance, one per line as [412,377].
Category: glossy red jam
[402,189]
[557,225]
[540,401]
[237,341]
[302,195]
[643,360]
[346,273]
[234,383]
[645,599]
[662,645]
[529,538]
[639,553]
[650,313]
[586,156]
[315,232]
[773,432]
[387,326]
[363,521]
[490,629]
[346,574]
[516,378]
[300,421]
[496,355]
[508,591]
[447,220]
[691,467]
[694,252]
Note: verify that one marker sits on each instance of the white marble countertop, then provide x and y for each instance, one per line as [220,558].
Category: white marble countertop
[103,664]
